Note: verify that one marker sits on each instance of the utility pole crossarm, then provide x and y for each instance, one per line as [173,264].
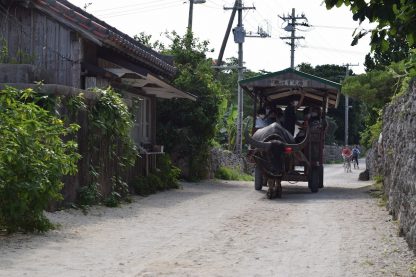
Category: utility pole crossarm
[302,37]
[240,8]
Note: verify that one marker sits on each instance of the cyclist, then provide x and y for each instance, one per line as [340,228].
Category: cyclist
[346,155]
[355,154]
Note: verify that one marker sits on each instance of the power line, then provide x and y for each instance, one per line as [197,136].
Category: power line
[140,5]
[332,49]
[333,27]
[137,11]
[145,8]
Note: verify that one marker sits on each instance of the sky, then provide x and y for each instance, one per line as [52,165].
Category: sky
[327,41]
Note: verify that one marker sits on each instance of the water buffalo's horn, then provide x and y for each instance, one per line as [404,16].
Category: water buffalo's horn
[255,143]
[301,145]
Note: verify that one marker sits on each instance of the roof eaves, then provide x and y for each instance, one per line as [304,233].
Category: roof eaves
[291,70]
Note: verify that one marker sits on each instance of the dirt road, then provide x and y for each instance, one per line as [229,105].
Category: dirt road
[219,228]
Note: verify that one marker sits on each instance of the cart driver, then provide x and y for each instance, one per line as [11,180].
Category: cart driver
[290,114]
[260,119]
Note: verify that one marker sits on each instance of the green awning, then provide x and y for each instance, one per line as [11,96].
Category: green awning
[278,87]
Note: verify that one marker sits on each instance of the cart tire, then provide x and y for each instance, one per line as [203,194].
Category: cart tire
[258,178]
[314,179]
[321,176]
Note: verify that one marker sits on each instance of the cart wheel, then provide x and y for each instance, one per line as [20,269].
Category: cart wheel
[313,183]
[321,176]
[258,178]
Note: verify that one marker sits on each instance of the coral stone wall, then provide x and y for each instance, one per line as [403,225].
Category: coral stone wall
[220,157]
[398,165]
[332,153]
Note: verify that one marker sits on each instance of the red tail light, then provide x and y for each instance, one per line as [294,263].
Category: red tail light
[288,150]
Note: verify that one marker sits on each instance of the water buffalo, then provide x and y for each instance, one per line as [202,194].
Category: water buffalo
[274,146]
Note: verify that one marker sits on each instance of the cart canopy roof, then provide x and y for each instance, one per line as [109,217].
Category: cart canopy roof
[280,87]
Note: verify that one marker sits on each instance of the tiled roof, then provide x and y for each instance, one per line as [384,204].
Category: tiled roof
[106,34]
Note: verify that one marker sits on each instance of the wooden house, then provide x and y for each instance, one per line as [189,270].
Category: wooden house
[70,50]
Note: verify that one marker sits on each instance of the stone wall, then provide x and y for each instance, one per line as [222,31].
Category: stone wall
[399,162]
[373,161]
[220,157]
[396,163]
[332,153]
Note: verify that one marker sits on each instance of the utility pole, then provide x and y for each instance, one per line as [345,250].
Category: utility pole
[191,11]
[291,27]
[239,37]
[239,34]
[347,72]
[227,32]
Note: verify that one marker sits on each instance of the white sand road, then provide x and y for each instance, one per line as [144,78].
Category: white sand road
[218,228]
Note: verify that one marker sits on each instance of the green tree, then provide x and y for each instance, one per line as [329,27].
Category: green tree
[377,88]
[393,18]
[336,73]
[227,127]
[378,59]
[374,90]
[187,128]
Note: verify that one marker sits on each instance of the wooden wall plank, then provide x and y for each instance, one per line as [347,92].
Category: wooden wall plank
[76,56]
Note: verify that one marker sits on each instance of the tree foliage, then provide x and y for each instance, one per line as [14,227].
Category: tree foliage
[394,19]
[377,88]
[378,60]
[227,125]
[184,127]
[336,73]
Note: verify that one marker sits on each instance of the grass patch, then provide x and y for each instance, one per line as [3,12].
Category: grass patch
[377,191]
[335,162]
[226,173]
[412,268]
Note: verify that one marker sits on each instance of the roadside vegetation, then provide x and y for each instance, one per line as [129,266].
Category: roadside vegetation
[377,191]
[226,173]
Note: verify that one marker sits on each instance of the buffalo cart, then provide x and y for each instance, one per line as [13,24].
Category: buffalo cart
[297,157]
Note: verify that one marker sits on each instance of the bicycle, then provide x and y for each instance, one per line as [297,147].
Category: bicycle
[355,163]
[347,163]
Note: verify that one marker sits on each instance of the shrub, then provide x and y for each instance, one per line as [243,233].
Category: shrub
[89,195]
[169,174]
[142,187]
[166,177]
[120,192]
[112,200]
[33,158]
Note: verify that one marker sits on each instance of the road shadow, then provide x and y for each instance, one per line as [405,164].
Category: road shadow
[301,193]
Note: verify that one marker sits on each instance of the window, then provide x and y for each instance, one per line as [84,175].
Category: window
[142,125]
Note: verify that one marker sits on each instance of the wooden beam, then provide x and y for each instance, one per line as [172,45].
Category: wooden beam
[122,61]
